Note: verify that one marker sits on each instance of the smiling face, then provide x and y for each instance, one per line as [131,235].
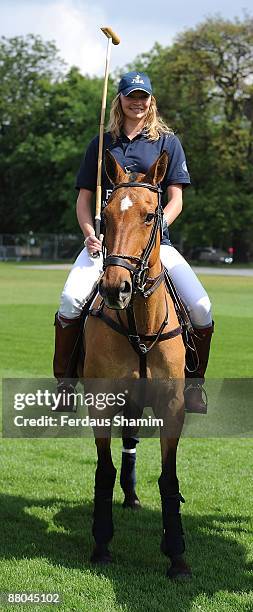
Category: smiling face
[136,105]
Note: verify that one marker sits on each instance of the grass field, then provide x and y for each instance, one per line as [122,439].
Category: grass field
[47,485]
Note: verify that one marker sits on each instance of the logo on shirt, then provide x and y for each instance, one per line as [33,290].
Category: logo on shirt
[138,79]
[184,166]
[107,195]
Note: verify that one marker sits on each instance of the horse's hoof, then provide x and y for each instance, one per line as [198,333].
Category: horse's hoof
[179,570]
[132,501]
[101,555]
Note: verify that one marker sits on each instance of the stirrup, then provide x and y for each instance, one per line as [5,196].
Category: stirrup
[198,405]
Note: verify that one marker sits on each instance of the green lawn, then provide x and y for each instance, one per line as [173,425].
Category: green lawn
[47,485]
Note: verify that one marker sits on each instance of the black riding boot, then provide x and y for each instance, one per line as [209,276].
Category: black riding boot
[194,400]
[67,333]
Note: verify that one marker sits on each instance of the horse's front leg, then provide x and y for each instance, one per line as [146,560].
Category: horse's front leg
[134,409]
[172,544]
[105,476]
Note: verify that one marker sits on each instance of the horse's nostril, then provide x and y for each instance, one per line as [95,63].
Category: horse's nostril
[125,288]
[115,296]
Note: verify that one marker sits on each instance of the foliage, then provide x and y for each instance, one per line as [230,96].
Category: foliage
[203,86]
[46,123]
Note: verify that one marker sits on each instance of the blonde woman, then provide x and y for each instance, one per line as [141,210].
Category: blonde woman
[136,136]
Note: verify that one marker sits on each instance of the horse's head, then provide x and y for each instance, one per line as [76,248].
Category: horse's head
[132,238]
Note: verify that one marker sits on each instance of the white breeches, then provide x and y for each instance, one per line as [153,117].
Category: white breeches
[86,270]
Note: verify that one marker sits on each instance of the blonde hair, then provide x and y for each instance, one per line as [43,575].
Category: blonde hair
[154,125]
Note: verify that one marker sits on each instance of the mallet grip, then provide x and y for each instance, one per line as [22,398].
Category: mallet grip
[111,34]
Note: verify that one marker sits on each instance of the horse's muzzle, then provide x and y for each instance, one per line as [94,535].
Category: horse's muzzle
[116,297]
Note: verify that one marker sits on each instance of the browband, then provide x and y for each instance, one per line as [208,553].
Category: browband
[155,188]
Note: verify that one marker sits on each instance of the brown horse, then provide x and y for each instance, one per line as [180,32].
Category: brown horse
[137,315]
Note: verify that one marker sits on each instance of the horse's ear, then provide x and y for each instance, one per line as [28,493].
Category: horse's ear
[113,170]
[158,169]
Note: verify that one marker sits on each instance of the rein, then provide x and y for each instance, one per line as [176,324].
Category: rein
[138,268]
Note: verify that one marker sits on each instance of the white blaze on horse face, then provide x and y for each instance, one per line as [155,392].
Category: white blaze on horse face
[125,203]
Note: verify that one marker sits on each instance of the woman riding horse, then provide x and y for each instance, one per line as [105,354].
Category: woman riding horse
[136,137]
[136,325]
[133,285]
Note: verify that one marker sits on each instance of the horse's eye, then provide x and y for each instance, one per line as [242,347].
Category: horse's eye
[149,218]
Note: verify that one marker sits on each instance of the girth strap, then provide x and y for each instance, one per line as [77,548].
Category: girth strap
[143,366]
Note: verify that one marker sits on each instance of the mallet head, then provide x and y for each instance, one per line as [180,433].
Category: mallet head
[110,34]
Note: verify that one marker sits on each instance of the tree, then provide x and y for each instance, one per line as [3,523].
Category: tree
[204,90]
[47,118]
[202,86]
[27,68]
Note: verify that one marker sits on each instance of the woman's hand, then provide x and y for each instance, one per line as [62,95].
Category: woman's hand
[93,244]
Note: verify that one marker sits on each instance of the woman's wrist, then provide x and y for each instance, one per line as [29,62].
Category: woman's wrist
[92,243]
[88,235]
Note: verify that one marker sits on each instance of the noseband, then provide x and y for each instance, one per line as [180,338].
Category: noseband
[139,270]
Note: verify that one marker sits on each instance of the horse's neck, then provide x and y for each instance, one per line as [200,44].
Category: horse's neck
[150,312]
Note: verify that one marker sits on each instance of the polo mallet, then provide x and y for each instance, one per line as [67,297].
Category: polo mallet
[115,40]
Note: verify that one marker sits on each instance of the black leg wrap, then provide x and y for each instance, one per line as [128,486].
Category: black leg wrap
[128,473]
[172,543]
[102,529]
[130,442]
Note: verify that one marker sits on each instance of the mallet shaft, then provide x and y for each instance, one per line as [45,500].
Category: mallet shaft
[115,40]
[101,137]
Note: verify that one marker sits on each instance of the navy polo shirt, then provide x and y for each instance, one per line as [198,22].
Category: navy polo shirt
[136,155]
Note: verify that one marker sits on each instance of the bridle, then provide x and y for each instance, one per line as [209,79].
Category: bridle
[140,269]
